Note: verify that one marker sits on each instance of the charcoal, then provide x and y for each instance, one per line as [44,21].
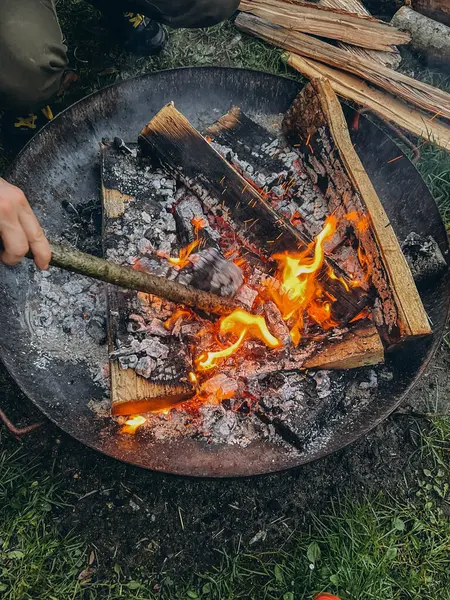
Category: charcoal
[276,323]
[96,328]
[210,271]
[246,296]
[128,362]
[424,257]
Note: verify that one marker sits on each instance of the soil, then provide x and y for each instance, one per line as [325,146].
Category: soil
[172,525]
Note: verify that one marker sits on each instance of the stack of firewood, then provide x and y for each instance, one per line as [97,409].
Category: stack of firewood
[361,58]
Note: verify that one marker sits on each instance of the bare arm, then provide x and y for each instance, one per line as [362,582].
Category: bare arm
[19,228]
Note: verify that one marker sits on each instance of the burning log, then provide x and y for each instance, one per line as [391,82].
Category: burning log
[415,92]
[329,22]
[429,37]
[383,105]
[390,59]
[316,118]
[148,372]
[171,138]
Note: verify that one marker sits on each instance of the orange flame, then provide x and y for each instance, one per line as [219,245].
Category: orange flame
[243,325]
[183,256]
[179,312]
[300,292]
[133,424]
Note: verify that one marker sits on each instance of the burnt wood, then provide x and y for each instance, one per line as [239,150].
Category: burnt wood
[316,122]
[168,383]
[171,139]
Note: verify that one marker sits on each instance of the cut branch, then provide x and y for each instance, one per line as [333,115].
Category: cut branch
[382,104]
[317,115]
[172,140]
[332,23]
[129,278]
[416,92]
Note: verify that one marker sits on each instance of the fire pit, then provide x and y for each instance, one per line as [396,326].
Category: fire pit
[54,344]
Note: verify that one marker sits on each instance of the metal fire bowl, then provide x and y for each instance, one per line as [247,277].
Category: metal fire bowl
[62,163]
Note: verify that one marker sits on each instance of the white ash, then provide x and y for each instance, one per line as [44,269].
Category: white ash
[67,321]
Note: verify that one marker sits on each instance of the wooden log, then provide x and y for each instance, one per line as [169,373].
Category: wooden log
[383,105]
[317,115]
[361,347]
[388,59]
[333,23]
[171,139]
[168,380]
[263,156]
[416,92]
[430,38]
[439,10]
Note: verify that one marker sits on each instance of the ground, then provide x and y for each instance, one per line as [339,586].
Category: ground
[369,522]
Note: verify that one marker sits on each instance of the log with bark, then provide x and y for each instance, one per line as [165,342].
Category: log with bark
[439,10]
[388,59]
[382,104]
[171,139]
[333,23]
[415,92]
[316,117]
[430,38]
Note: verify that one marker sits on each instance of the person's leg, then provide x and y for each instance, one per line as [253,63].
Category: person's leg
[32,54]
[178,13]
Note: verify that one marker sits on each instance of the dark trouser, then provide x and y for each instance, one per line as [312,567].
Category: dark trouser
[33,56]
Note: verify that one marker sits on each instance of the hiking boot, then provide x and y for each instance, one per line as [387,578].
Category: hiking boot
[18,129]
[141,35]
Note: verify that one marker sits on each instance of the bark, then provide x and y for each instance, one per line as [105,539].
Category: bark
[126,277]
[439,10]
[430,38]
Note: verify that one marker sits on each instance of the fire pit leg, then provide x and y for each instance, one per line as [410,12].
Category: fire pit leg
[18,431]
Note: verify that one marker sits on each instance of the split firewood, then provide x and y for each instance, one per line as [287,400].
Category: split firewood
[416,92]
[430,38]
[439,10]
[170,138]
[317,119]
[333,23]
[382,104]
[390,59]
[147,372]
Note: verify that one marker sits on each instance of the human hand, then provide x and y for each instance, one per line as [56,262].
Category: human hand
[19,229]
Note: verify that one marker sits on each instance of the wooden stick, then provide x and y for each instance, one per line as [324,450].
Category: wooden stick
[388,59]
[421,94]
[317,114]
[332,23]
[382,104]
[129,278]
[171,138]
[430,38]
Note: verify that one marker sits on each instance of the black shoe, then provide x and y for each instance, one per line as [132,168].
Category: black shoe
[18,129]
[141,35]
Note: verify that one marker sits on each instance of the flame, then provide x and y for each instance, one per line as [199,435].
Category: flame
[243,325]
[300,292]
[193,377]
[182,260]
[133,424]
[179,312]
[361,222]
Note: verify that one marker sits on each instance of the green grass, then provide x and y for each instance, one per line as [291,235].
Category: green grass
[372,549]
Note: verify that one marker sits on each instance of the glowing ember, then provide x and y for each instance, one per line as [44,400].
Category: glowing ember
[243,325]
[133,424]
[183,256]
[180,312]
